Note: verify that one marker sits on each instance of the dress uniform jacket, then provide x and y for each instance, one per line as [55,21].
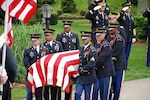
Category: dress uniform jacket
[147,28]
[31,55]
[97,20]
[104,65]
[11,69]
[87,62]
[118,53]
[128,24]
[121,31]
[68,42]
[56,47]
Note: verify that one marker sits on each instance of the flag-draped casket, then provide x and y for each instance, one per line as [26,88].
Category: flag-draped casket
[54,69]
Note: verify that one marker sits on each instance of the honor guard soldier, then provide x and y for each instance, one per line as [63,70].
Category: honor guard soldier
[52,46]
[96,2]
[118,56]
[98,18]
[31,55]
[112,18]
[9,74]
[104,66]
[87,76]
[127,21]
[147,33]
[69,41]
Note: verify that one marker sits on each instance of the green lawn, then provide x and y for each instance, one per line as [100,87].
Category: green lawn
[137,64]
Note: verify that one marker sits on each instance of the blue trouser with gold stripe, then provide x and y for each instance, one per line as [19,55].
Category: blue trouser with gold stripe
[117,80]
[148,52]
[127,51]
[101,84]
[80,88]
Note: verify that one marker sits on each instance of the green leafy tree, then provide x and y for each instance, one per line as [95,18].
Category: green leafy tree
[68,6]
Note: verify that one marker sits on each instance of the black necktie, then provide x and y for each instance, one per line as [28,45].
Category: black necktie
[129,17]
[36,49]
[101,16]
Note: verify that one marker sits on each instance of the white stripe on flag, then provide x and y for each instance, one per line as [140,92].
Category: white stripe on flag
[25,12]
[61,68]
[17,8]
[51,68]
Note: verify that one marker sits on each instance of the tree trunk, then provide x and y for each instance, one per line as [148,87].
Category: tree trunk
[142,5]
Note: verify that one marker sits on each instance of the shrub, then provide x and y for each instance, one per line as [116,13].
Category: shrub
[140,23]
[21,75]
[59,12]
[134,2]
[68,6]
[54,19]
[82,12]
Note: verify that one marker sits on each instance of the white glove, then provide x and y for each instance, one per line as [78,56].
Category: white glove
[133,40]
[97,7]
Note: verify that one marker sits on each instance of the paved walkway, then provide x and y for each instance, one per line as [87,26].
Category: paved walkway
[133,90]
[136,90]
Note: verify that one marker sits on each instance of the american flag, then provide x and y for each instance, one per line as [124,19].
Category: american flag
[20,9]
[54,69]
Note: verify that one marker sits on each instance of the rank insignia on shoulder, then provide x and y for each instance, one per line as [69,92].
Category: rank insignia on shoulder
[92,59]
[105,45]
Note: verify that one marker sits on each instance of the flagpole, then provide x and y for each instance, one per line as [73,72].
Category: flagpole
[4,46]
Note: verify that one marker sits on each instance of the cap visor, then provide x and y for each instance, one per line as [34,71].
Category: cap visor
[83,38]
[97,34]
[66,26]
[34,39]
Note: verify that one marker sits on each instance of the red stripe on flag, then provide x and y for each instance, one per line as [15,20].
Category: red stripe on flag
[10,37]
[74,62]
[39,70]
[31,12]
[1,2]
[57,63]
[20,10]
[67,89]
[13,5]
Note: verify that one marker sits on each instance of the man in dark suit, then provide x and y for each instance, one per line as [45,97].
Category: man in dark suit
[104,65]
[52,46]
[8,78]
[98,18]
[31,55]
[118,56]
[87,76]
[147,33]
[70,41]
[127,21]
